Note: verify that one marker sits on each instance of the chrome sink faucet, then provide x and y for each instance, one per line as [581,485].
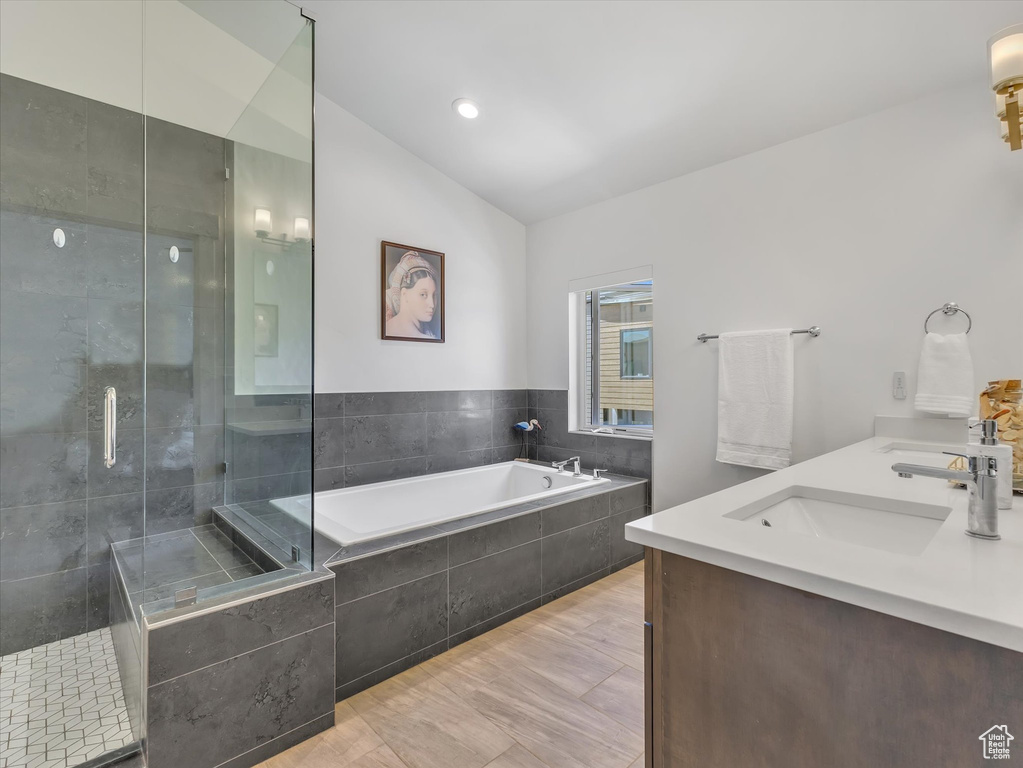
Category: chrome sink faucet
[980,478]
[560,465]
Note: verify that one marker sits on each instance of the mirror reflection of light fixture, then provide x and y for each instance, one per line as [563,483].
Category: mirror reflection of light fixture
[1005,52]
[264,223]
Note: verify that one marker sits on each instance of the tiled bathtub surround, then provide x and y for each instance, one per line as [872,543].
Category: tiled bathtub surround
[268,444]
[267,447]
[155,567]
[276,606]
[370,437]
[625,455]
[254,678]
[399,603]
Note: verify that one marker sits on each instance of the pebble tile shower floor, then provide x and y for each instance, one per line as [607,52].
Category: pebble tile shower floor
[61,704]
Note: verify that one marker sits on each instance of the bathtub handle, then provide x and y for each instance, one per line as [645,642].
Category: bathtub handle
[547,482]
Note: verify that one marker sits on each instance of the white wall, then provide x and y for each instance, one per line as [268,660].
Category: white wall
[862,229]
[369,189]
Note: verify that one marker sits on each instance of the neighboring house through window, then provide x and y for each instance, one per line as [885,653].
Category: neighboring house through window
[616,381]
[637,353]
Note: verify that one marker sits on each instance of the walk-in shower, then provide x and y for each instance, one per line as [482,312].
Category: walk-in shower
[155,342]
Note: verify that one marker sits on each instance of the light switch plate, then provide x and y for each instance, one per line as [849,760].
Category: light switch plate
[899,385]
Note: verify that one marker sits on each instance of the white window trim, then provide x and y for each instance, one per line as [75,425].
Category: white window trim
[619,432]
[608,279]
[578,421]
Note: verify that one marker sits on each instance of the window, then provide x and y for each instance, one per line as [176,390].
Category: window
[617,374]
[637,353]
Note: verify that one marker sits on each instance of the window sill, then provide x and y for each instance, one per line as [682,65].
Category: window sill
[616,436]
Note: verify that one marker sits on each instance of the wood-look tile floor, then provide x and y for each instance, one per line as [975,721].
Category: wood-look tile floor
[561,687]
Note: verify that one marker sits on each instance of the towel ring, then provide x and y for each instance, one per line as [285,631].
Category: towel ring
[950,309]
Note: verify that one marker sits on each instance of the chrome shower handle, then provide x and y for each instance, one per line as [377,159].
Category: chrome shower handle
[109,427]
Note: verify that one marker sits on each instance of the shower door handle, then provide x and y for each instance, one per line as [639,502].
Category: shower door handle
[109,427]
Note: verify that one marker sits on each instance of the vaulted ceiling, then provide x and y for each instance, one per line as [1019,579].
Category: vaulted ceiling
[584,100]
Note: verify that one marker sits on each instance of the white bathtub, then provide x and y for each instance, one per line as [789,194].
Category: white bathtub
[366,512]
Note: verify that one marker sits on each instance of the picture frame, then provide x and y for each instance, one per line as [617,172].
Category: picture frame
[412,293]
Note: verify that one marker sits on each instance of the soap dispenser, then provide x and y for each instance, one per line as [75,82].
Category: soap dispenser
[983,441]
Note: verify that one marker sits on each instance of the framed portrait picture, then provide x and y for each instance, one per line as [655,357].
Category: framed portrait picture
[412,305]
[266,330]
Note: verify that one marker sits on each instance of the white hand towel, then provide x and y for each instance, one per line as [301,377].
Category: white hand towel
[755,393]
[945,378]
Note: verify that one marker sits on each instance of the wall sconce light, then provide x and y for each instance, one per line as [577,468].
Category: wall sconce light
[301,229]
[1005,52]
[264,223]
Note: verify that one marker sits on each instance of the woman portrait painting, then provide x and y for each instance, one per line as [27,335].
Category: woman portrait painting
[413,287]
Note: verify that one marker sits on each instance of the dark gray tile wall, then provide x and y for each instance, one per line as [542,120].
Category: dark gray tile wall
[621,455]
[279,744]
[397,608]
[371,437]
[269,456]
[185,646]
[185,306]
[255,676]
[71,324]
[481,589]
[127,641]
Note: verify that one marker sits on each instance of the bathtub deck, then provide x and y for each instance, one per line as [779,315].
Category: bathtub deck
[559,686]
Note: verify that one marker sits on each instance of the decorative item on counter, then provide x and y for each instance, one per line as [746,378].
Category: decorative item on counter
[1003,402]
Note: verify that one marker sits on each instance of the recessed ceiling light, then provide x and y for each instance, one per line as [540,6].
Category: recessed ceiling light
[466,108]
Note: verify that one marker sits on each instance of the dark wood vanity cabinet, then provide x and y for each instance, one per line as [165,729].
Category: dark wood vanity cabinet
[746,673]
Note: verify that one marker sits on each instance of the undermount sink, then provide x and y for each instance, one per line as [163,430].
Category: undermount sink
[932,454]
[904,527]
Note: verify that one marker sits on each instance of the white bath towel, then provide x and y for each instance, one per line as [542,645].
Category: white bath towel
[945,379]
[755,398]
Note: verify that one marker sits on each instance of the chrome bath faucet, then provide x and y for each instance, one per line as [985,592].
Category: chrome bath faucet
[560,465]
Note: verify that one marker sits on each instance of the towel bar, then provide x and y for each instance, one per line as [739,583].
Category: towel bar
[813,330]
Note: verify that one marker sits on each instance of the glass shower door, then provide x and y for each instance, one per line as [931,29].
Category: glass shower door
[268,440]
[136,138]
[72,358]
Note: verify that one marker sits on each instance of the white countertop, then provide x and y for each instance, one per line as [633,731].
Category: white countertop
[958,583]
